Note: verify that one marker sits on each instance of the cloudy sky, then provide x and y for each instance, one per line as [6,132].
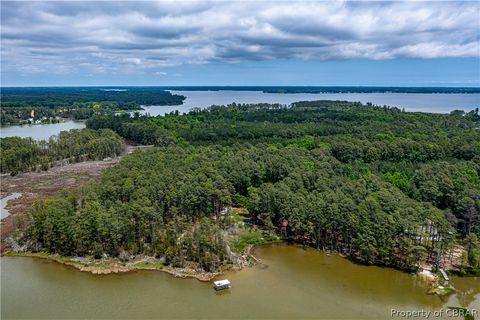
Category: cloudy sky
[240,43]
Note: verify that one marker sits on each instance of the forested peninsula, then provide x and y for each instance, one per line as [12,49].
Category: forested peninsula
[376,184]
[49,104]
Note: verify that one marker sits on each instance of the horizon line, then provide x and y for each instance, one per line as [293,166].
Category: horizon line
[235,86]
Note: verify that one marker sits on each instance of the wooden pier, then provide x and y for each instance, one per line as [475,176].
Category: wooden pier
[444,275]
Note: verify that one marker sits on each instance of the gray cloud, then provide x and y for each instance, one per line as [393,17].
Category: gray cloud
[131,36]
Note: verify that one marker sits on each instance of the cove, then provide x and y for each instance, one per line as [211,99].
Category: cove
[40,131]
[291,283]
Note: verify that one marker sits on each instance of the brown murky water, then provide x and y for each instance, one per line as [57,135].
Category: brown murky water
[295,284]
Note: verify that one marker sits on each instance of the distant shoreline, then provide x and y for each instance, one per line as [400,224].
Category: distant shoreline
[285,89]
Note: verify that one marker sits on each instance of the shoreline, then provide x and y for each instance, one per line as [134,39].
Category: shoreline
[61,120]
[42,185]
[115,266]
[105,266]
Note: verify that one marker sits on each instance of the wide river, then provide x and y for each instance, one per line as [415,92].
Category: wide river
[293,283]
[437,103]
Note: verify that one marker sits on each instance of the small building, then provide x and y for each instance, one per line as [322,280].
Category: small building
[424,234]
[221,284]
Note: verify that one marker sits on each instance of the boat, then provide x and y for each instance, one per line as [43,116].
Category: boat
[221,284]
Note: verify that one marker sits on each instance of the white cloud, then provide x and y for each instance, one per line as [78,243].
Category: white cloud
[128,36]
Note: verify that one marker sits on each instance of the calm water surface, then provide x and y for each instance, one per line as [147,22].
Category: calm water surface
[296,284]
[438,103]
[4,201]
[40,131]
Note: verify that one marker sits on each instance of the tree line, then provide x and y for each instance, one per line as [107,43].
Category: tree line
[375,183]
[25,154]
[20,105]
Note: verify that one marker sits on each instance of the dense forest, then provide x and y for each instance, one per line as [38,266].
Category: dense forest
[26,154]
[374,183]
[32,104]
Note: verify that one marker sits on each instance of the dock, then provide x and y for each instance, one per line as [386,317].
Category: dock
[444,275]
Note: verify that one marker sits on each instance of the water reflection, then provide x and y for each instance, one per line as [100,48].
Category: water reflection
[297,284]
[436,103]
[40,131]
